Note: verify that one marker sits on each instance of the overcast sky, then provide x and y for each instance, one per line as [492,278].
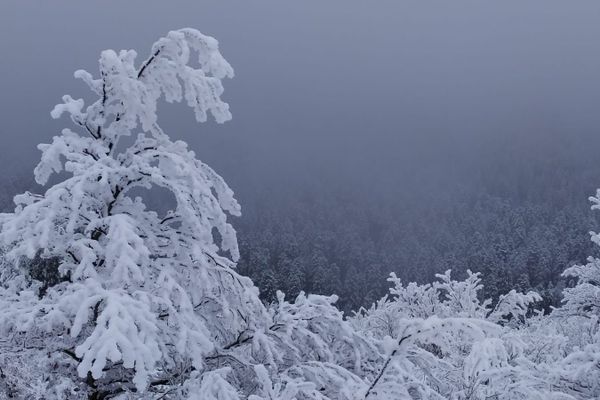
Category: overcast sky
[341,88]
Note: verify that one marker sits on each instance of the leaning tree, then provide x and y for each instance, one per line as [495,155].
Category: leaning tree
[148,303]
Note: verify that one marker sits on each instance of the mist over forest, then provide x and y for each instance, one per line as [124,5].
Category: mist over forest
[442,137]
[516,210]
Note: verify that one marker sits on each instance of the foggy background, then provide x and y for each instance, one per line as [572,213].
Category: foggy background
[367,137]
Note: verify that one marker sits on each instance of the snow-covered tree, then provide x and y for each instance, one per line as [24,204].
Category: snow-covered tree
[149,304]
[135,282]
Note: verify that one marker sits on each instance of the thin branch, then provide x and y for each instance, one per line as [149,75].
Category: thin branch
[387,363]
[148,62]
[71,354]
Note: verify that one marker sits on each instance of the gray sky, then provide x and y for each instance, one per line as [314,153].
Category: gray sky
[342,89]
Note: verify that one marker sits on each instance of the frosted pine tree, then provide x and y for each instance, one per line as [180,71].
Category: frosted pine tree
[149,305]
[140,290]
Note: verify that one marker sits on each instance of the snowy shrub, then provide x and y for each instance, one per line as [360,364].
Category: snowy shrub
[443,342]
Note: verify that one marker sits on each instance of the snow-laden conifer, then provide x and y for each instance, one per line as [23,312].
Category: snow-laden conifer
[148,303]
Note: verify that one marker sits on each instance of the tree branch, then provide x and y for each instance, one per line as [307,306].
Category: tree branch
[148,62]
[387,363]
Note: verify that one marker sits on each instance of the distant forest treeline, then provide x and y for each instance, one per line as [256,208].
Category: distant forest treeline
[349,251]
[518,213]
